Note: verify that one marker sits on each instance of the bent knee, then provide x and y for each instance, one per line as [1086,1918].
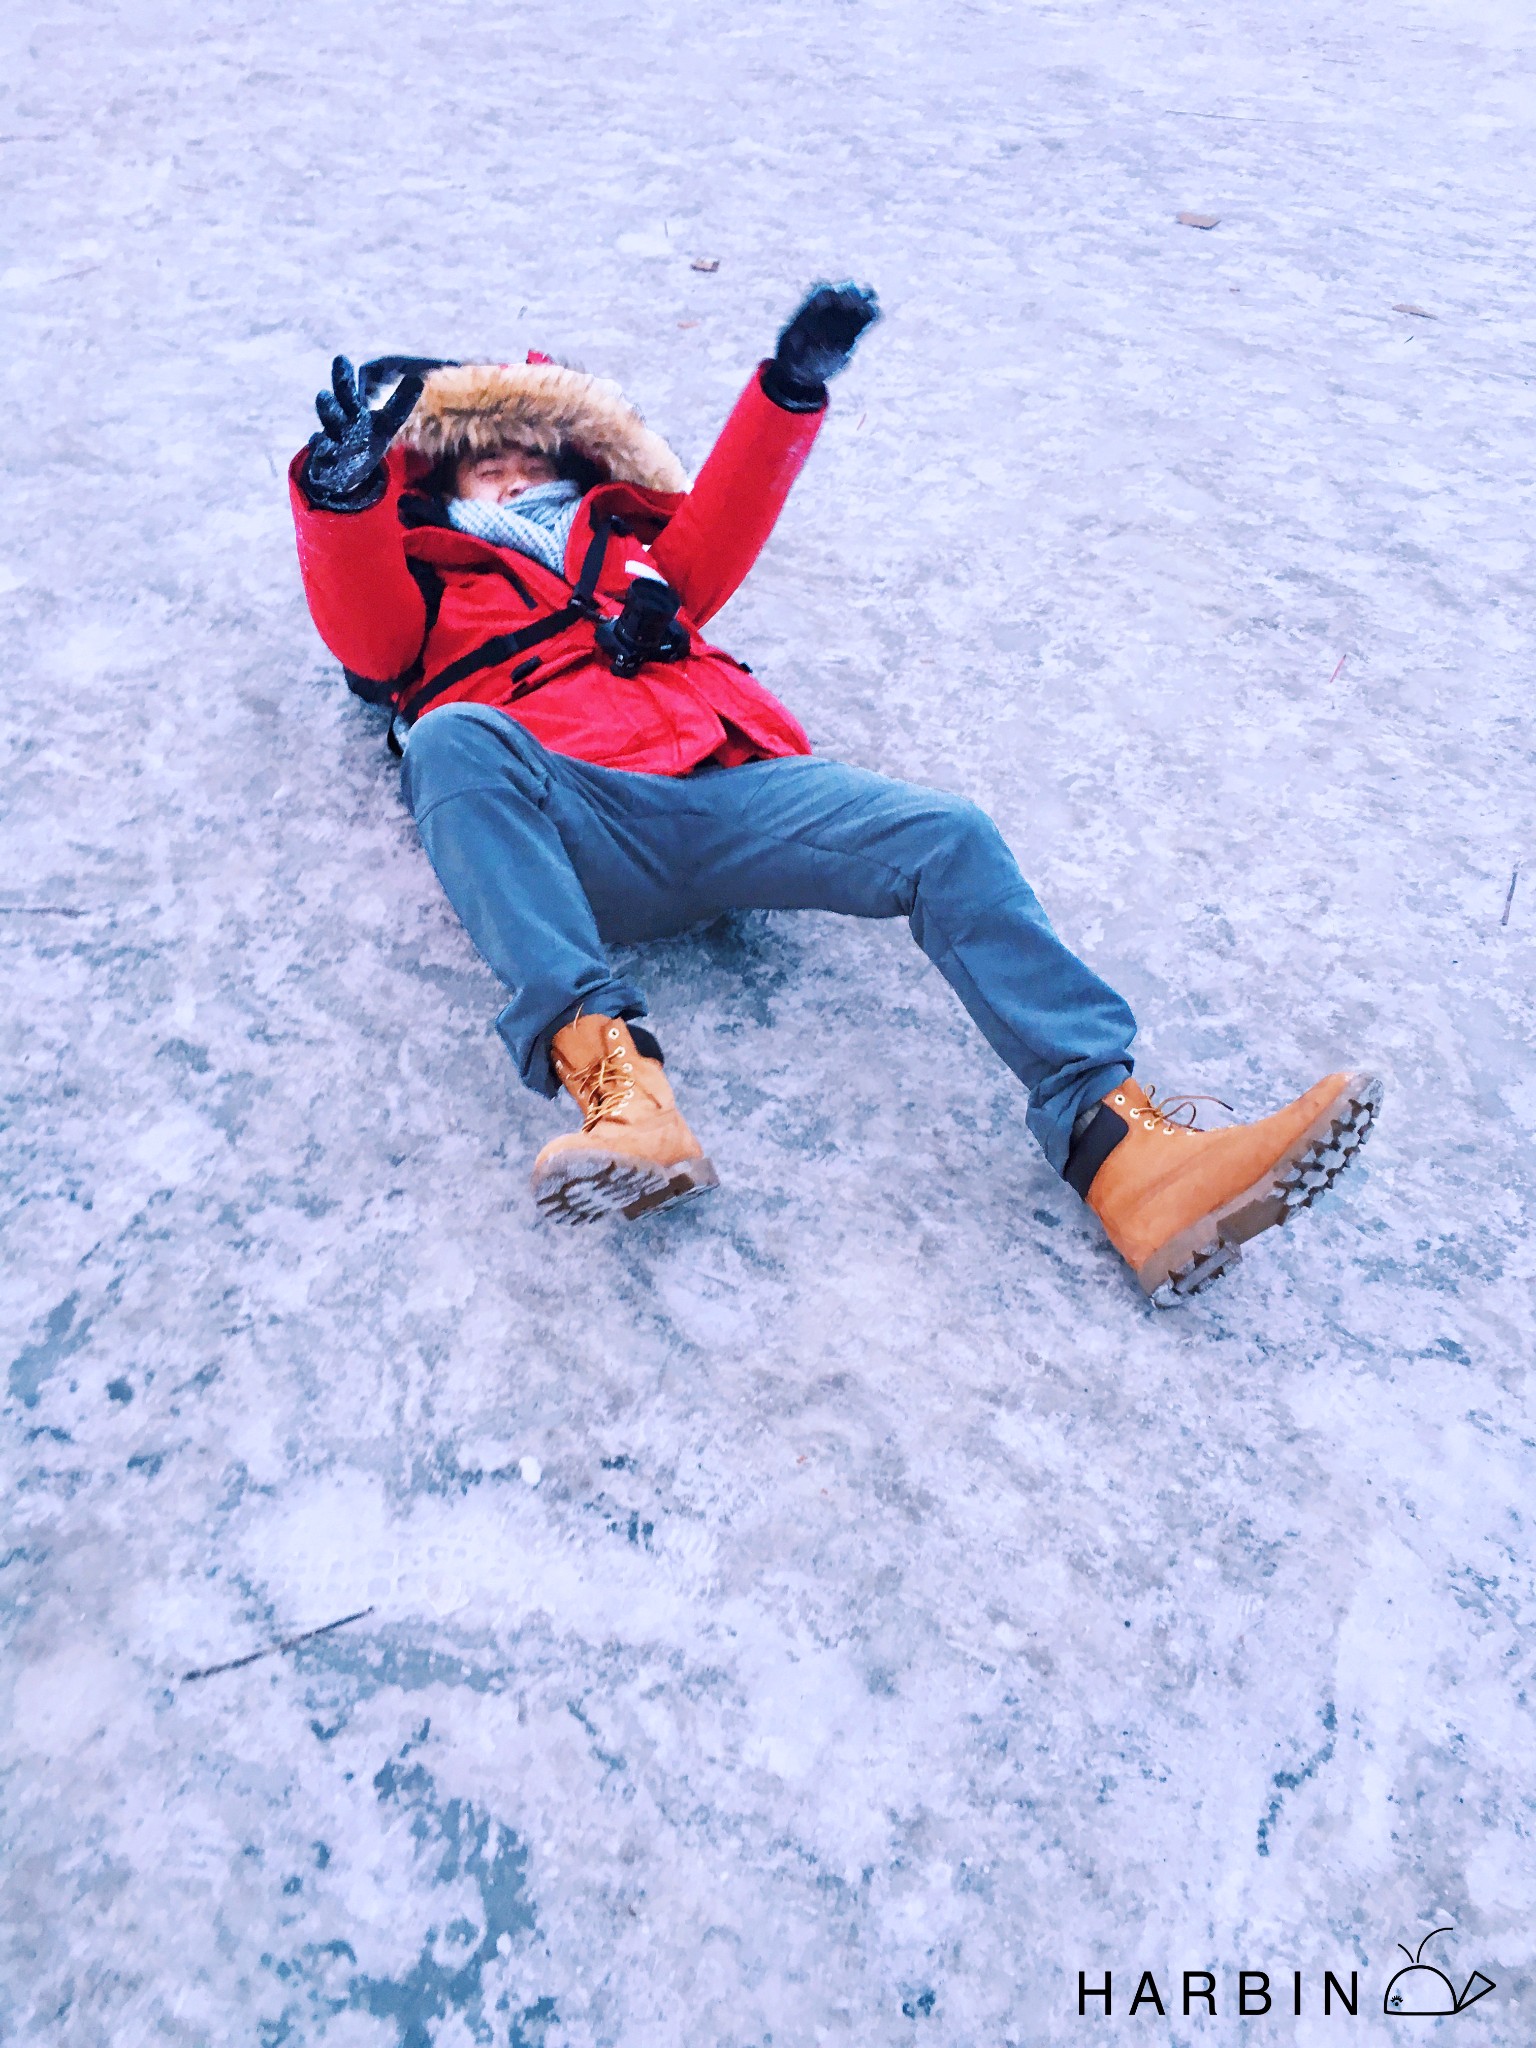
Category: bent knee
[960,847]
[958,822]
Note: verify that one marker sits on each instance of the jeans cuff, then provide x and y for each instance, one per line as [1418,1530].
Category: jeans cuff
[617,999]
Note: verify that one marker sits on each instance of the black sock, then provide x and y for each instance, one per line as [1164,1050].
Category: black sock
[1092,1143]
[645,1044]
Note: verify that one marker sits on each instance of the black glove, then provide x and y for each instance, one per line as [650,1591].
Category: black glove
[344,471]
[817,344]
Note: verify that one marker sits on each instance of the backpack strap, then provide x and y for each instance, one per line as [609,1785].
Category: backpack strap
[503,646]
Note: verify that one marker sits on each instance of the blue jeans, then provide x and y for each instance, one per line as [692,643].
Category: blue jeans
[547,859]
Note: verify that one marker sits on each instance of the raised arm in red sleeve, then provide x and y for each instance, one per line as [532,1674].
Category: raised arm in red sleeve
[719,530]
[362,597]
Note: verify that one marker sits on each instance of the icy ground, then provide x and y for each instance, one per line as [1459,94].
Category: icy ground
[839,1614]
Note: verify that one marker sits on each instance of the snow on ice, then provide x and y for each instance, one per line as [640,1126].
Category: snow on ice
[842,1612]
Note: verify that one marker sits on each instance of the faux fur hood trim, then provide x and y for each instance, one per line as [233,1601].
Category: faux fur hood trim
[479,408]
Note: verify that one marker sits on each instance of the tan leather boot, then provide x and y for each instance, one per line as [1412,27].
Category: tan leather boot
[1178,1204]
[633,1151]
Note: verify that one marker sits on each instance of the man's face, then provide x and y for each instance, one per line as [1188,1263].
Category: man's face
[498,479]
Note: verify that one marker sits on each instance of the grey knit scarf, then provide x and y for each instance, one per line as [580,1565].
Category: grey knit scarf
[537,523]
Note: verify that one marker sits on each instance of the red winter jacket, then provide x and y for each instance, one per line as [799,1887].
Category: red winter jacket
[418,614]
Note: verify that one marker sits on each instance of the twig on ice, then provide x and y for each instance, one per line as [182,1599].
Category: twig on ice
[1509,894]
[272,1649]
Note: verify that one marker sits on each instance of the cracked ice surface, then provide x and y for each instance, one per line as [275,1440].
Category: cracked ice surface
[896,1616]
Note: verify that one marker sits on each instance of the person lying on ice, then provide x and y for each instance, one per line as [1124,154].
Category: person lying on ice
[507,558]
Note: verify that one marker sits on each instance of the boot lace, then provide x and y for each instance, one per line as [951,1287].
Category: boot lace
[1172,1109]
[604,1088]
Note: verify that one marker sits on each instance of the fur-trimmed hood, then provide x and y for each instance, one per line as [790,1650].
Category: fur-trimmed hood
[478,408]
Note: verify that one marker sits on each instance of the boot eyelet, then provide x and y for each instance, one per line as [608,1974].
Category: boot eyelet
[1119,1098]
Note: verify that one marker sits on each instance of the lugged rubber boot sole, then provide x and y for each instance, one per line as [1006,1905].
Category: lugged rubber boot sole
[585,1186]
[1306,1169]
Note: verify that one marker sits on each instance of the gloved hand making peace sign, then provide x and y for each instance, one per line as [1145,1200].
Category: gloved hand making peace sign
[818,343]
[344,471]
